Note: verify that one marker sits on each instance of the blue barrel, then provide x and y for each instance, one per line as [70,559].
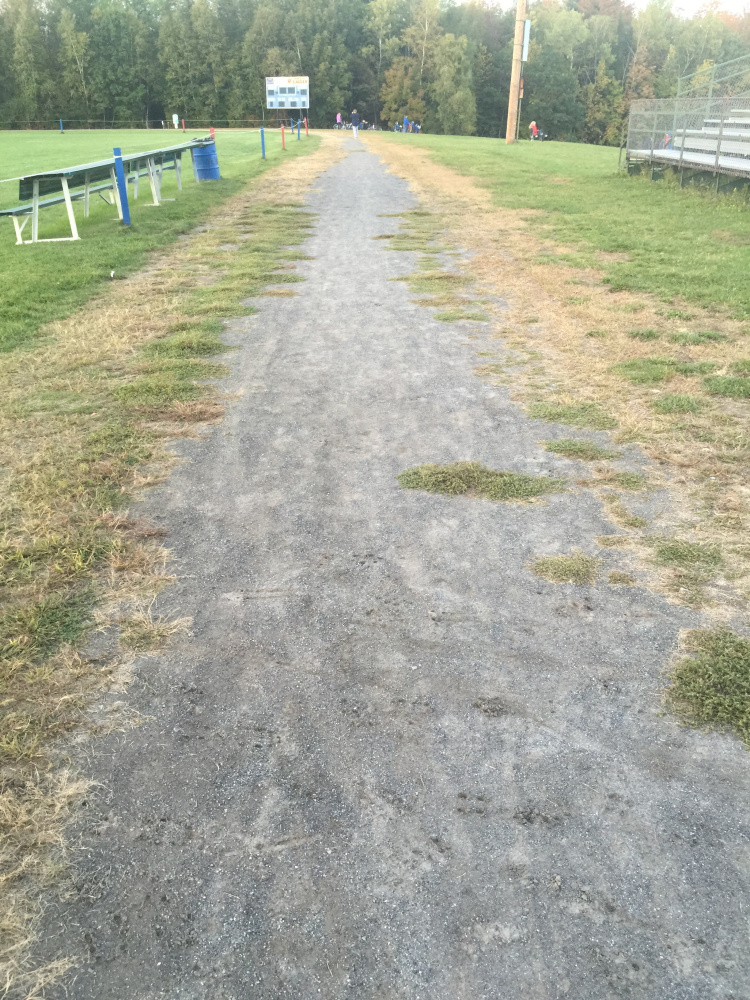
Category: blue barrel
[206,162]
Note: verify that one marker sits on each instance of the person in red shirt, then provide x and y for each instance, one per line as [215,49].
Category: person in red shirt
[534,130]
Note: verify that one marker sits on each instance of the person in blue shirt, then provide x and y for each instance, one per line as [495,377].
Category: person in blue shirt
[355,123]
[406,124]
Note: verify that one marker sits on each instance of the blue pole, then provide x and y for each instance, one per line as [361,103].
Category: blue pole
[263,143]
[61,128]
[122,186]
[299,123]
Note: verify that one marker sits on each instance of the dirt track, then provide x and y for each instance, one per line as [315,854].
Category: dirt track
[391,762]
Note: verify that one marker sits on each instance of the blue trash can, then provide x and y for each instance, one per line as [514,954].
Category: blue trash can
[206,162]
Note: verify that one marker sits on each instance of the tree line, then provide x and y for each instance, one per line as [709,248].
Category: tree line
[445,64]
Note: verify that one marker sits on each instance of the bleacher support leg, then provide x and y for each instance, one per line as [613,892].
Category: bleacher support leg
[116,192]
[178,169]
[35,213]
[69,205]
[152,178]
[86,198]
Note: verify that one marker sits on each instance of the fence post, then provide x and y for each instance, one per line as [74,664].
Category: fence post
[299,126]
[61,126]
[183,124]
[306,132]
[283,140]
[122,186]
[262,143]
[718,141]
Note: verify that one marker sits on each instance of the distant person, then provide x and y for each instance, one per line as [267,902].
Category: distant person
[406,124]
[533,130]
[415,127]
[339,123]
[355,123]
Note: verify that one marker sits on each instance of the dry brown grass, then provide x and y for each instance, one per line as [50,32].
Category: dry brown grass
[65,545]
[702,457]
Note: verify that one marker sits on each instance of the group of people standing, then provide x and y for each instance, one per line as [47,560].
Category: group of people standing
[407,126]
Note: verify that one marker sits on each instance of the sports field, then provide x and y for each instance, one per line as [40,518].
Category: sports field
[672,243]
[47,281]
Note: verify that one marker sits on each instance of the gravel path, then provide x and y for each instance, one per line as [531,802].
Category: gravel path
[391,762]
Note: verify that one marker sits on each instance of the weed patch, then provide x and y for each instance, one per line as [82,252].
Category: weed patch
[711,687]
[576,568]
[619,579]
[476,480]
[585,451]
[596,333]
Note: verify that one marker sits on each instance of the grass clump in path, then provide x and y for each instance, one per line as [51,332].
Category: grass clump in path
[711,687]
[586,451]
[574,414]
[576,568]
[476,480]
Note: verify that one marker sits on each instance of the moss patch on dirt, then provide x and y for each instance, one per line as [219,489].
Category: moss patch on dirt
[474,479]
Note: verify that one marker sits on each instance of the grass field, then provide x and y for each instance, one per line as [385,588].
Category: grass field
[672,242]
[47,281]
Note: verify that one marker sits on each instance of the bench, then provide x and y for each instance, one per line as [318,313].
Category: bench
[94,178]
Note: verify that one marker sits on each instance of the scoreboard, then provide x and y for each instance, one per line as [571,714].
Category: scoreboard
[288,92]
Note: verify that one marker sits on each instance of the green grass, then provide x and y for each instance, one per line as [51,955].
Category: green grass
[677,403]
[573,414]
[685,555]
[191,340]
[49,280]
[735,386]
[664,237]
[645,371]
[644,334]
[704,337]
[585,451]
[473,478]
[574,568]
[39,629]
[620,579]
[711,687]
[596,333]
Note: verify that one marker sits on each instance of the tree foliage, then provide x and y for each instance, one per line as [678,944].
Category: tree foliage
[445,64]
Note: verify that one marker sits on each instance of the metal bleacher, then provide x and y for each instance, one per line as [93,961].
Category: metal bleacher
[704,129]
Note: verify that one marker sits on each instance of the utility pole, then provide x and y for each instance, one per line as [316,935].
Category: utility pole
[515,74]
